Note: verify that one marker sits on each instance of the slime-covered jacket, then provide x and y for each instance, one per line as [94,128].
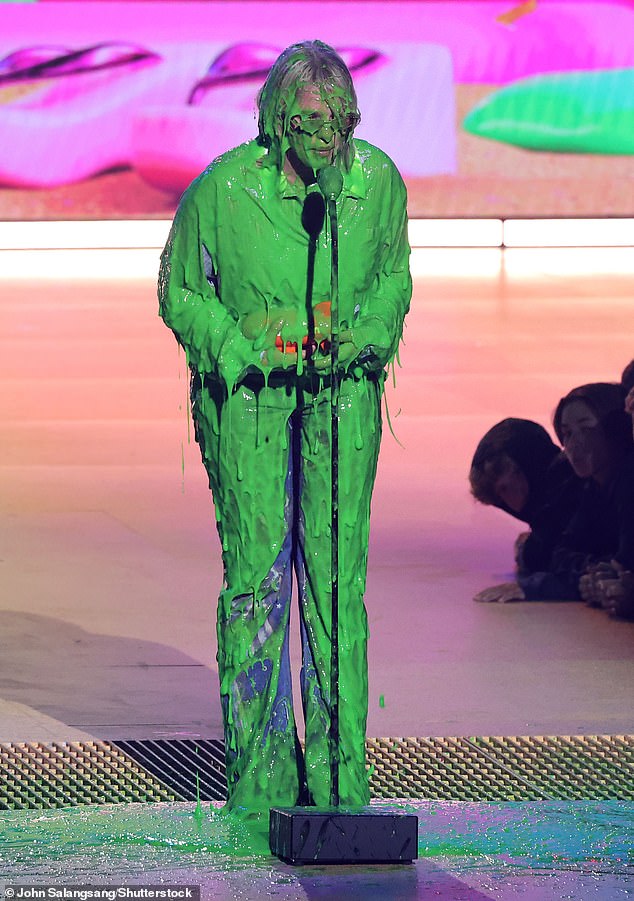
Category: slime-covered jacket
[238,247]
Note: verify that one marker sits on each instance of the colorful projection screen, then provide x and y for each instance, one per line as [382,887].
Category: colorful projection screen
[108,110]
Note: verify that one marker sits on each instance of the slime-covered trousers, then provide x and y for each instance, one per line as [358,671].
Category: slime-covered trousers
[267,454]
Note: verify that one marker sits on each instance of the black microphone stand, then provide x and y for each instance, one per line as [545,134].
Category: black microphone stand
[331,183]
[305,835]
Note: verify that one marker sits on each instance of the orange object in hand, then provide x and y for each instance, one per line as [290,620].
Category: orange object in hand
[323,308]
[291,346]
[309,346]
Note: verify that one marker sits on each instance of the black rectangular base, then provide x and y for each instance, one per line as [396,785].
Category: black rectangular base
[311,835]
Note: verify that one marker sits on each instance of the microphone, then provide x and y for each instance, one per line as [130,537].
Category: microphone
[330,181]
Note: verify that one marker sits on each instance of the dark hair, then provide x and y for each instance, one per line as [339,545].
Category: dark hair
[483,478]
[627,377]
[306,64]
[607,402]
[519,443]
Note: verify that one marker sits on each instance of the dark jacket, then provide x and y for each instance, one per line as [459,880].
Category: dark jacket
[554,491]
[602,529]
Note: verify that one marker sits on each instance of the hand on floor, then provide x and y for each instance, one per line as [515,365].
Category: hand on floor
[592,584]
[617,595]
[500,594]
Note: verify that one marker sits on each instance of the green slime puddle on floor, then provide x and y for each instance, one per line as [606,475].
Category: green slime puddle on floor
[168,838]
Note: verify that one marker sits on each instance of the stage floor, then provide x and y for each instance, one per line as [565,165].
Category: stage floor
[111,563]
[111,566]
[538,852]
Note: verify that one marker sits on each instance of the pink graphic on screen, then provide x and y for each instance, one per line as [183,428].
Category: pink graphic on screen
[166,87]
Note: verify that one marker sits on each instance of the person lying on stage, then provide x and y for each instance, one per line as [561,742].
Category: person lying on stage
[245,287]
[518,469]
[596,434]
[611,585]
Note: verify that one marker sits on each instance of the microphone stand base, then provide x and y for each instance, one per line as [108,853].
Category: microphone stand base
[340,835]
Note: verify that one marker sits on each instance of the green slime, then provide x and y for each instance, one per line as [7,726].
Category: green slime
[179,839]
[234,276]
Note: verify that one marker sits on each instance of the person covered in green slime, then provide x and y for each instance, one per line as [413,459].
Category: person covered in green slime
[245,287]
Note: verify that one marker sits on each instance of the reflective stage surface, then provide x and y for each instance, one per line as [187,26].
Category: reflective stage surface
[538,851]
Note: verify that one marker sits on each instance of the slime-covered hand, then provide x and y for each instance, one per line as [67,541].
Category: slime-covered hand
[279,335]
[348,352]
[321,321]
[274,336]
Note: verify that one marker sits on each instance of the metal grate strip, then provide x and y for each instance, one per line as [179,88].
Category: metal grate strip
[62,774]
[192,769]
[504,768]
[484,768]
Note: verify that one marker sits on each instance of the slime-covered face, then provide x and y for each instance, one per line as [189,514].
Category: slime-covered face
[314,131]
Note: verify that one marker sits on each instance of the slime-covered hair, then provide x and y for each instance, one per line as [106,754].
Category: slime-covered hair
[307,65]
